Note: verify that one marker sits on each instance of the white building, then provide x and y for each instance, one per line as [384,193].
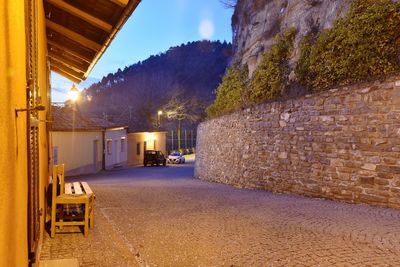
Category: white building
[86,145]
[142,141]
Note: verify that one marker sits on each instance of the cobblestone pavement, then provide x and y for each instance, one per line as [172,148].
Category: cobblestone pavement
[163,217]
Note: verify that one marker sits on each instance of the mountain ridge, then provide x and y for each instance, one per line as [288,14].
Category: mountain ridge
[133,96]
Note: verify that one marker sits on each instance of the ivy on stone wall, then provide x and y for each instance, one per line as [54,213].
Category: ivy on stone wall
[362,45]
[269,79]
[231,93]
[271,76]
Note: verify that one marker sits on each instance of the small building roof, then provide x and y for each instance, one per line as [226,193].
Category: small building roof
[79,32]
[68,119]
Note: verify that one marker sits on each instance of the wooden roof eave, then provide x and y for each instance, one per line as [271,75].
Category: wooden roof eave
[67,68]
[129,8]
[73,35]
[105,26]
[62,59]
[66,74]
[69,50]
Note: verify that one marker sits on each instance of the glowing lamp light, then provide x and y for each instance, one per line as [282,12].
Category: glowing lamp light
[73,94]
[160,112]
[150,137]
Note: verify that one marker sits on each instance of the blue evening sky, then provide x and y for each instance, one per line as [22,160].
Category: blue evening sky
[155,26]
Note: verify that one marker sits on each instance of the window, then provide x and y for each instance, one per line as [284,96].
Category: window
[138,149]
[122,144]
[109,147]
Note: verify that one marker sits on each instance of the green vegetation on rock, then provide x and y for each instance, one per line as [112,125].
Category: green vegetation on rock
[271,76]
[269,79]
[362,45]
[231,93]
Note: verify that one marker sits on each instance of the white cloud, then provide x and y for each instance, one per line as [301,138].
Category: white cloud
[206,29]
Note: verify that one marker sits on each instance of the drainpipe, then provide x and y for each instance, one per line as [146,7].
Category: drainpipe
[103,161]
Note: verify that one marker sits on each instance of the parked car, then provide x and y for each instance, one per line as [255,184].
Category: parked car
[154,157]
[176,157]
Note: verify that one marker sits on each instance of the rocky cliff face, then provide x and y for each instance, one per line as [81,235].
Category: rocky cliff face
[256,22]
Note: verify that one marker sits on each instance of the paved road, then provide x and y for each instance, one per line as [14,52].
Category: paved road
[163,217]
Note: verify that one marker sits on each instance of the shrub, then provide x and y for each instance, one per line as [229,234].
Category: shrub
[231,93]
[271,76]
[362,45]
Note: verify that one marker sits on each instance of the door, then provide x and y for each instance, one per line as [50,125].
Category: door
[95,155]
[116,152]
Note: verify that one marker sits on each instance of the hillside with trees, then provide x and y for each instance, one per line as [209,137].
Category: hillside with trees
[185,75]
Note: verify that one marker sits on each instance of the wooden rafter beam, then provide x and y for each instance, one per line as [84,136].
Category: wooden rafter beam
[70,50]
[121,3]
[60,58]
[68,69]
[66,75]
[81,14]
[73,35]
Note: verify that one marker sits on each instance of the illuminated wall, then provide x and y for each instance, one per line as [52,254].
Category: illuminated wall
[13,148]
[77,151]
[137,141]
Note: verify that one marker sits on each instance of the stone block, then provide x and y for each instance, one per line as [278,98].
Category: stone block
[388,169]
[372,199]
[369,166]
[283,155]
[367,180]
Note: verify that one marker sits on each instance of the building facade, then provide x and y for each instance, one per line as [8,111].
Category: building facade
[86,145]
[34,40]
[140,142]
[116,152]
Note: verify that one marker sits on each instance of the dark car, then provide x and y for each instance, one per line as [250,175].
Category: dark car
[154,157]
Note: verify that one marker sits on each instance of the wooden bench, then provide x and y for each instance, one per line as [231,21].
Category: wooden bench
[66,196]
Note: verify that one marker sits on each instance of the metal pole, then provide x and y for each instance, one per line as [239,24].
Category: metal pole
[185,140]
[179,135]
[191,137]
[172,132]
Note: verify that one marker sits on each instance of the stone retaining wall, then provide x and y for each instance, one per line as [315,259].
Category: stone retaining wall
[341,144]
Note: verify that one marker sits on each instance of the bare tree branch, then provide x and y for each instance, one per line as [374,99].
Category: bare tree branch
[229,3]
[180,108]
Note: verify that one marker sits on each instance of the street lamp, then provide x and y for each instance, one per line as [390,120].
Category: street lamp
[73,93]
[159,118]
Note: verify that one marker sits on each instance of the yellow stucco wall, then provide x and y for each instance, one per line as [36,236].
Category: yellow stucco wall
[75,149]
[13,193]
[135,158]
[13,148]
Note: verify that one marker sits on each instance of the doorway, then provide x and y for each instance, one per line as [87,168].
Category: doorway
[95,155]
[116,152]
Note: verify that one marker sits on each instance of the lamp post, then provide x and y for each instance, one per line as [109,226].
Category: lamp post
[73,93]
[159,113]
